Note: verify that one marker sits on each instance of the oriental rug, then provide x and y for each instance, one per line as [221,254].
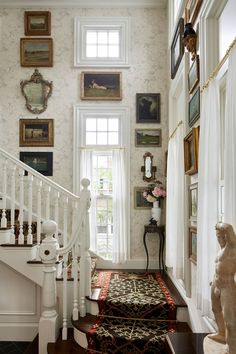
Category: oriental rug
[136,311]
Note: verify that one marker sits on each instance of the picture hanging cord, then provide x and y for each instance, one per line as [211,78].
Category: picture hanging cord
[174,131]
[218,67]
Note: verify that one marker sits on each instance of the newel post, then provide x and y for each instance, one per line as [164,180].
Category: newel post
[48,324]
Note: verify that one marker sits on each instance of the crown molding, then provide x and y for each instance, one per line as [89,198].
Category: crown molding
[83,3]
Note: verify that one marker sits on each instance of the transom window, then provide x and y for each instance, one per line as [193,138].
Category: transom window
[102,131]
[101,42]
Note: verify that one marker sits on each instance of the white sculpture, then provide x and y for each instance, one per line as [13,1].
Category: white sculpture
[223,289]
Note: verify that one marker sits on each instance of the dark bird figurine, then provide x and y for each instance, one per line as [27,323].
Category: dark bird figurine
[189,29]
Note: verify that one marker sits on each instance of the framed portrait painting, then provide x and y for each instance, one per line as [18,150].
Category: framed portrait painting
[101,86]
[36,52]
[148,108]
[177,48]
[139,201]
[191,152]
[37,23]
[36,132]
[193,244]
[147,137]
[39,160]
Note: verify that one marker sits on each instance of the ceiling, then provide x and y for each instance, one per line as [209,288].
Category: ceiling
[83,3]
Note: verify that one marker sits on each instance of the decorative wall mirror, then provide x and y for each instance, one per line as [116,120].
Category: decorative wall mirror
[148,169]
[36,92]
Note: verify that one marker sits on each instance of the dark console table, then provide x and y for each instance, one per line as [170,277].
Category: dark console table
[160,231]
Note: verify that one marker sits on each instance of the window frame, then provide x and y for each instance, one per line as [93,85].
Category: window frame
[83,24]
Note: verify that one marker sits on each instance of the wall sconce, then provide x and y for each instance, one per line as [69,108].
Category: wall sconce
[190,39]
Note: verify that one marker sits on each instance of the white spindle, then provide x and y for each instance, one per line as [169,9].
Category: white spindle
[29,236]
[21,215]
[64,305]
[4,195]
[13,200]
[48,191]
[75,314]
[39,210]
[65,212]
[56,212]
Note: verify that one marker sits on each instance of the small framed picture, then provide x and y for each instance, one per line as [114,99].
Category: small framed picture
[191,152]
[148,108]
[193,244]
[147,137]
[194,108]
[193,75]
[177,48]
[41,161]
[101,86]
[36,132]
[192,10]
[36,52]
[193,202]
[37,23]
[139,201]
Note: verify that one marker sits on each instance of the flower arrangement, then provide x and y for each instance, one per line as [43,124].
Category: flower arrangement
[154,192]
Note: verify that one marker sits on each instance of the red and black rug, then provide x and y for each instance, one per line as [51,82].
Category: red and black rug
[136,311]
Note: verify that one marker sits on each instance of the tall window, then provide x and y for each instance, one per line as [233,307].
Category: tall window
[102,156]
[101,42]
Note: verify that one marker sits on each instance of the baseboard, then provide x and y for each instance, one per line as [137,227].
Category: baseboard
[18,332]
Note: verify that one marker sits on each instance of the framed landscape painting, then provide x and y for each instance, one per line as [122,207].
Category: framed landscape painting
[36,132]
[193,244]
[147,137]
[194,108]
[101,86]
[36,52]
[40,161]
[193,75]
[191,152]
[193,201]
[37,23]
[148,108]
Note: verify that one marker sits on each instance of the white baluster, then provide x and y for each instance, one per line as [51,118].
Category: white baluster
[48,324]
[21,215]
[13,200]
[56,212]
[48,191]
[4,195]
[65,212]
[75,252]
[39,210]
[29,236]
[64,305]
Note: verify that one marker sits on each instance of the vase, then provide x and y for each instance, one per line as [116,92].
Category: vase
[156,213]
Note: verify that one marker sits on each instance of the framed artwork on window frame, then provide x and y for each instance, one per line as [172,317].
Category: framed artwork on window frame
[194,108]
[36,132]
[36,52]
[177,48]
[191,142]
[193,75]
[193,244]
[193,201]
[37,23]
[41,161]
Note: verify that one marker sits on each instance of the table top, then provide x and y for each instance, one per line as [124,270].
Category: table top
[154,228]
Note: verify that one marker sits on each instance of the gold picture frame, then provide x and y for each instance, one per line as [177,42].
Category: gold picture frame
[193,244]
[191,142]
[36,132]
[101,85]
[37,23]
[36,52]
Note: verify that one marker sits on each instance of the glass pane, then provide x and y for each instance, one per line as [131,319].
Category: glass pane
[102,51]
[91,124]
[113,51]
[91,37]
[102,37]
[227,27]
[113,125]
[113,138]
[102,162]
[114,37]
[102,138]
[90,138]
[91,51]
[102,124]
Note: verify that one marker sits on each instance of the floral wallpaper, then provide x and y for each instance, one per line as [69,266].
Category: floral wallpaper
[147,74]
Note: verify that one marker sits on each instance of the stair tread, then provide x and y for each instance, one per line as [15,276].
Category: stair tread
[65,347]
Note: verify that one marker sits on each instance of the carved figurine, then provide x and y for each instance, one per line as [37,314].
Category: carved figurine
[190,39]
[223,288]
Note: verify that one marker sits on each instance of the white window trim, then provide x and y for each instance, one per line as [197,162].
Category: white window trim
[81,24]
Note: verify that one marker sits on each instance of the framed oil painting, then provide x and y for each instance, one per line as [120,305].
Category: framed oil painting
[193,195]
[148,108]
[191,152]
[193,75]
[147,137]
[36,132]
[36,52]
[192,10]
[40,161]
[194,108]
[193,244]
[101,86]
[177,48]
[37,23]
[139,201]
